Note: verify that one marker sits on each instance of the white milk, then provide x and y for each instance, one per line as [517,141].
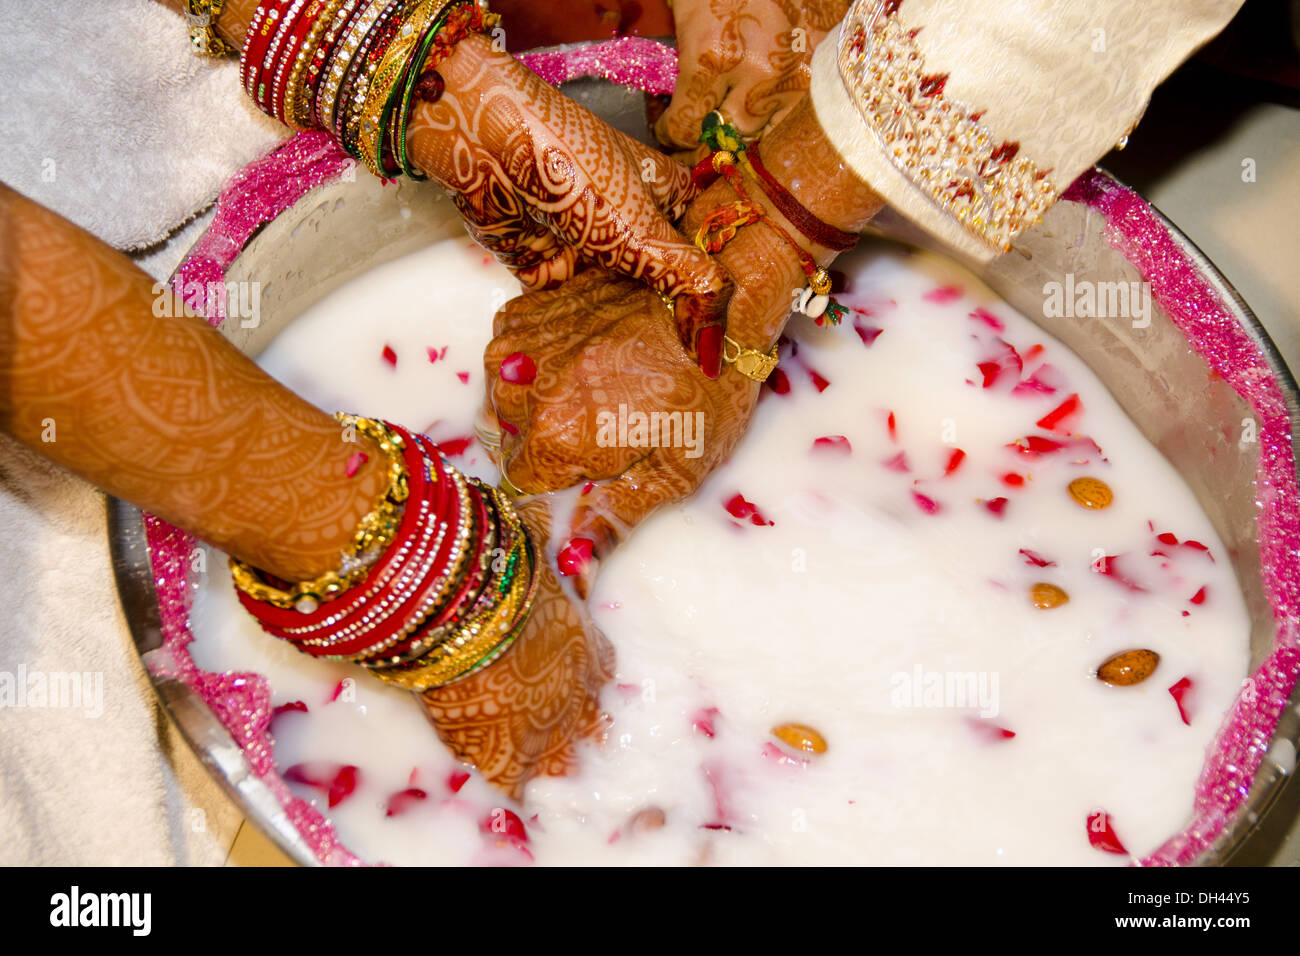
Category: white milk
[889,629]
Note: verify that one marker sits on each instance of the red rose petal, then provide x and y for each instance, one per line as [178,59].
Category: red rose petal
[343,784]
[1109,567]
[1013,480]
[868,333]
[1031,446]
[989,730]
[1179,692]
[989,319]
[1198,597]
[518,369]
[505,824]
[892,423]
[775,754]
[402,801]
[338,689]
[575,556]
[1102,835]
[1046,380]
[454,446]
[703,721]
[464,377]
[390,356]
[355,461]
[1036,559]
[835,443]
[336,781]
[943,295]
[738,507]
[926,503]
[778,382]
[897,463]
[954,461]
[1053,420]
[1167,538]
[587,489]
[292,707]
[1034,352]
[996,505]
[507,427]
[820,382]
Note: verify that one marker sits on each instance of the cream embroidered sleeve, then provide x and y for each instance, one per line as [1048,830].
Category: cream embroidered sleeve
[972,117]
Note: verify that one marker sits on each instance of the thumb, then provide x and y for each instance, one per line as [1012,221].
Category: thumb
[605,515]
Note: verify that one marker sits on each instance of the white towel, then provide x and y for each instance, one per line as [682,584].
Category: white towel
[111,121]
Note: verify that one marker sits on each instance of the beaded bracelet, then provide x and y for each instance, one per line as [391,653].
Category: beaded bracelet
[731,151]
[451,592]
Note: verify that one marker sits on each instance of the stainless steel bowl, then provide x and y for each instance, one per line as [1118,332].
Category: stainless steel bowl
[343,229]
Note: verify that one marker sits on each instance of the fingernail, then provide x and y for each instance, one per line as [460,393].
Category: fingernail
[708,347]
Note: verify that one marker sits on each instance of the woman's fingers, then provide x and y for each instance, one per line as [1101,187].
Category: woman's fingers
[607,513]
[668,182]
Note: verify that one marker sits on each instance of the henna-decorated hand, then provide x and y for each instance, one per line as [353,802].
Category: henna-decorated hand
[748,58]
[545,185]
[526,714]
[601,347]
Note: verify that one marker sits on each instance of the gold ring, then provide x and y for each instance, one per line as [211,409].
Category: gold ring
[508,486]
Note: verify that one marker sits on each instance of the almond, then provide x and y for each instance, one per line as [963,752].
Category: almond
[1128,667]
[800,737]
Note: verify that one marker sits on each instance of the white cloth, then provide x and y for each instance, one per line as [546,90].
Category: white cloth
[112,122]
[1061,82]
[139,136]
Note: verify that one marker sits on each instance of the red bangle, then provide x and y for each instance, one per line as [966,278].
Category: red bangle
[260,31]
[294,626]
[822,233]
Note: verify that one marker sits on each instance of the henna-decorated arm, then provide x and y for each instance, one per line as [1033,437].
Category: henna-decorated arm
[166,413]
[546,185]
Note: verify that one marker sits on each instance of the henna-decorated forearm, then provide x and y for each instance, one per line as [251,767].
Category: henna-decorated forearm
[163,411]
[543,183]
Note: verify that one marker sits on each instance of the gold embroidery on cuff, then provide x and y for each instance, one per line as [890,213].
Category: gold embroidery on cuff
[933,140]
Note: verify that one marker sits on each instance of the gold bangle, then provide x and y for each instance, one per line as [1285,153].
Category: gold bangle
[370,135]
[200,15]
[374,533]
[297,104]
[750,363]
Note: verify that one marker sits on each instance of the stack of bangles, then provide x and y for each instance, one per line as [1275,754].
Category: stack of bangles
[355,67]
[438,583]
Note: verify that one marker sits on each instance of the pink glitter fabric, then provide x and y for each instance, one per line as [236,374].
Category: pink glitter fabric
[1135,230]
[628,61]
